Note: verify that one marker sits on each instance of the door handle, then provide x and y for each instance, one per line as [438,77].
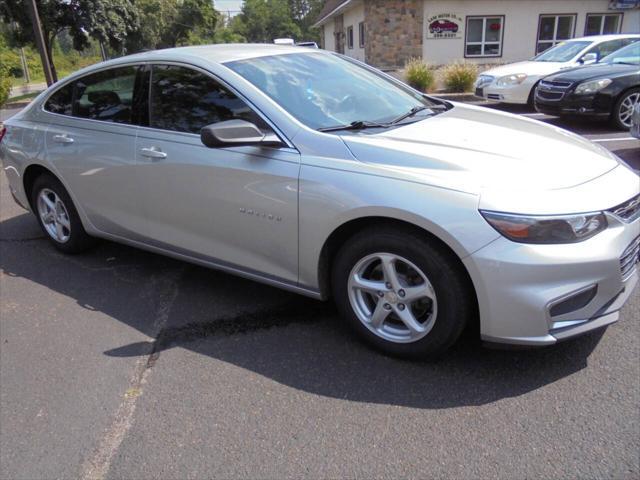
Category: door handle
[62,138]
[152,152]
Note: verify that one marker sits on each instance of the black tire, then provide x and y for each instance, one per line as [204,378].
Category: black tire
[615,114]
[531,101]
[456,304]
[78,241]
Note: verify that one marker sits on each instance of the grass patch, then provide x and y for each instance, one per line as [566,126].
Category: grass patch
[27,97]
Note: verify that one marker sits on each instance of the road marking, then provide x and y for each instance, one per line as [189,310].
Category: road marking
[97,467]
[624,139]
[533,114]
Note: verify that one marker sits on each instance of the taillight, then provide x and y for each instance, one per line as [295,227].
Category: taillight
[3,130]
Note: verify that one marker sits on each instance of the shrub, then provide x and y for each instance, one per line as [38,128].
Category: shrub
[5,85]
[460,76]
[419,75]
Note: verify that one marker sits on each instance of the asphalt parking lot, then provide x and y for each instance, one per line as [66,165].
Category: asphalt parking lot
[125,364]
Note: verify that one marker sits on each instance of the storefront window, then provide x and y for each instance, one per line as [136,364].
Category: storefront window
[484,36]
[553,29]
[603,24]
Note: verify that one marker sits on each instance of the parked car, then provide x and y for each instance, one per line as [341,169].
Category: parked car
[635,121]
[609,89]
[439,26]
[307,44]
[284,41]
[418,216]
[515,82]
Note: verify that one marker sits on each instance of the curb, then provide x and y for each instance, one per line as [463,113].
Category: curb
[458,97]
[15,104]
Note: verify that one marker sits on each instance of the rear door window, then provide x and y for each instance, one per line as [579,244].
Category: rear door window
[185,100]
[106,95]
[61,102]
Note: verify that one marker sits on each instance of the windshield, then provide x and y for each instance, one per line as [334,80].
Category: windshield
[629,54]
[322,90]
[563,52]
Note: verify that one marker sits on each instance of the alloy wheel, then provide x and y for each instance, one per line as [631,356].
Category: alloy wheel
[392,297]
[625,111]
[54,215]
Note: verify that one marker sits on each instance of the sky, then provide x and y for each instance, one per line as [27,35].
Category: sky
[224,5]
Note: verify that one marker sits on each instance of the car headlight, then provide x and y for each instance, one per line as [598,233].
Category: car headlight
[592,87]
[515,79]
[547,229]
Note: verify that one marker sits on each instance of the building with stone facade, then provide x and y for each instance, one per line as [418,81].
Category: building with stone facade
[386,33]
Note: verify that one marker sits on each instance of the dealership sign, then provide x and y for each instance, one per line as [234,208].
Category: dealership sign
[444,25]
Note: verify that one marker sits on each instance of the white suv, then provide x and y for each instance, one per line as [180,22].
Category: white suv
[515,82]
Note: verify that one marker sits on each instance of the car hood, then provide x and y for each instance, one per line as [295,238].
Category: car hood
[472,148]
[594,71]
[529,67]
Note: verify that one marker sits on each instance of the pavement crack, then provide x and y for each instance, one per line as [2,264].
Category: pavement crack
[21,240]
[97,466]
[298,311]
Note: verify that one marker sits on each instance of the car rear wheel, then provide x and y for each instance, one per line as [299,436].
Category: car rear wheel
[623,111]
[58,217]
[400,293]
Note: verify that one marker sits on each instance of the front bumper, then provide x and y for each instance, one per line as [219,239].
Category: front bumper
[516,94]
[581,105]
[518,286]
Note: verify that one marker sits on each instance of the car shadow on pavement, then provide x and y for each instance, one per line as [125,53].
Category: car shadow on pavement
[292,340]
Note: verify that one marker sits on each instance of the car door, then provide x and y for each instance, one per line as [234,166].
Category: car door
[91,143]
[232,206]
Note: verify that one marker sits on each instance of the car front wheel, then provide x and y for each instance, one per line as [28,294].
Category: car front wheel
[401,293]
[623,110]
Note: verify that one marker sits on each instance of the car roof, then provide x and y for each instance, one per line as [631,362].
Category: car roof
[200,54]
[219,53]
[604,38]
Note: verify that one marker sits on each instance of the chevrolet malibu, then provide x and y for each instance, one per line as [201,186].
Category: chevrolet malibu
[315,173]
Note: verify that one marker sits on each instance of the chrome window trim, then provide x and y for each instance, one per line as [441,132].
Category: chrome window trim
[211,75]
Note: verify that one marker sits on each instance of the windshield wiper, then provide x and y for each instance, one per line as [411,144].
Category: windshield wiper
[362,124]
[357,125]
[419,108]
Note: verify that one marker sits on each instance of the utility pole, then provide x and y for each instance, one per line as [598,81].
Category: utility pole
[25,66]
[103,52]
[37,33]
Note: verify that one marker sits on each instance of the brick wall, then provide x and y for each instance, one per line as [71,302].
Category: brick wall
[394,32]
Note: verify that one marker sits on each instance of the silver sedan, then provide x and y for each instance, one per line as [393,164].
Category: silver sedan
[315,173]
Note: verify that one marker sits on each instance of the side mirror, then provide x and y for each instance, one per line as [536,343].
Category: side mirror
[589,58]
[230,133]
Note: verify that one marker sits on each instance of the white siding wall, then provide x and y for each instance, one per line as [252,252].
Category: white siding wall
[352,18]
[520,28]
[329,38]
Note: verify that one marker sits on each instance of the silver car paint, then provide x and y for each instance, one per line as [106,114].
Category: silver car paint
[267,213]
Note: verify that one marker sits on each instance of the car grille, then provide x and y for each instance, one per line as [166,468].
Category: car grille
[628,211]
[552,90]
[550,95]
[629,258]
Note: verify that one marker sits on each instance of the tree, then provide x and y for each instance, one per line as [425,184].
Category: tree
[168,23]
[265,20]
[230,32]
[5,77]
[305,13]
[108,21]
